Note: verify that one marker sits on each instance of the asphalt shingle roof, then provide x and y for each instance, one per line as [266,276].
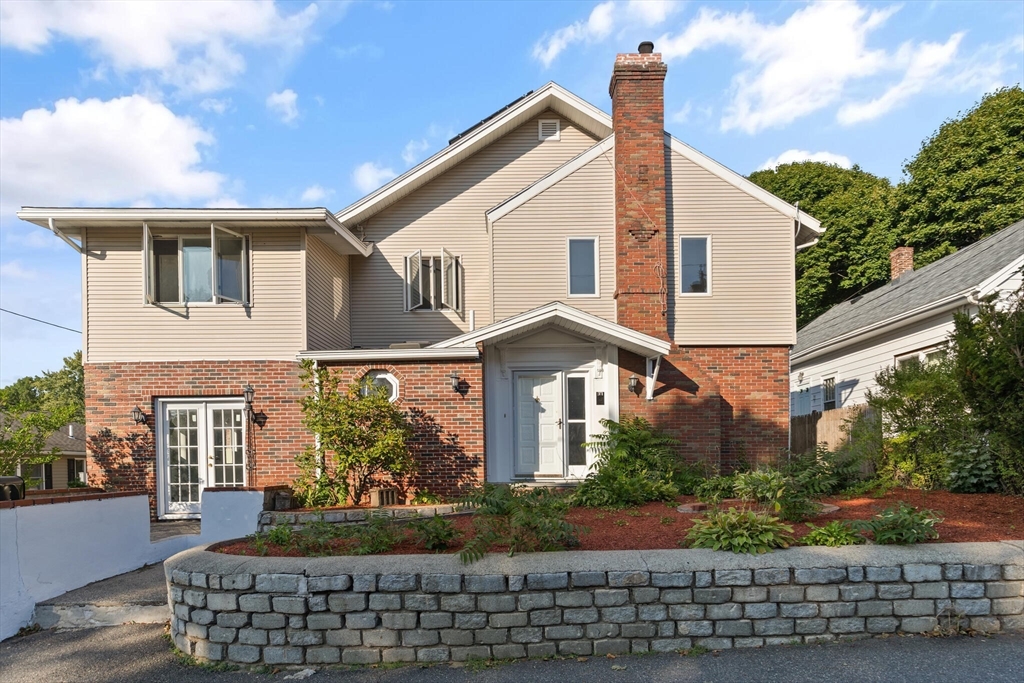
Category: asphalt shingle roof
[955,273]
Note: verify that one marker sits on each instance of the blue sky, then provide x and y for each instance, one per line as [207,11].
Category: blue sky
[303,104]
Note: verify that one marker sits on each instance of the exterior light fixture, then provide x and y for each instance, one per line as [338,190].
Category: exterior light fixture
[634,384]
[454,377]
[248,393]
[138,416]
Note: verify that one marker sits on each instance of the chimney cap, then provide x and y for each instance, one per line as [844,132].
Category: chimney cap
[646,47]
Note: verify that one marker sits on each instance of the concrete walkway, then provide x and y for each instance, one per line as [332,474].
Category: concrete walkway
[136,597]
[140,653]
[158,531]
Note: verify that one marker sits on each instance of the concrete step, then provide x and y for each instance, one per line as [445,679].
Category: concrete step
[92,616]
[138,597]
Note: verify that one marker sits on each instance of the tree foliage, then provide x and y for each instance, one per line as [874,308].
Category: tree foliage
[23,438]
[60,390]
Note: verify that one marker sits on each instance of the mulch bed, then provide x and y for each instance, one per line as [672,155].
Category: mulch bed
[967,517]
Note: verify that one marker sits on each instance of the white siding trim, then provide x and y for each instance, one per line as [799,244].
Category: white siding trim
[429,353]
[85,298]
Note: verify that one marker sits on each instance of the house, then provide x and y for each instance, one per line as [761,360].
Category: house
[838,354]
[69,466]
[551,267]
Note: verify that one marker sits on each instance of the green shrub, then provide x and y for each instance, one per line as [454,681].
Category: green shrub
[634,464]
[973,469]
[280,535]
[763,486]
[378,535]
[901,525]
[822,472]
[740,531]
[834,534]
[523,519]
[715,489]
[433,533]
[425,497]
[795,506]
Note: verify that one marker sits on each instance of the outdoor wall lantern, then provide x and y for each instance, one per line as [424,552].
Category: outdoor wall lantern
[454,377]
[138,416]
[634,384]
[248,393]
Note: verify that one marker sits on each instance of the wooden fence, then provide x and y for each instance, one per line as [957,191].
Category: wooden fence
[807,431]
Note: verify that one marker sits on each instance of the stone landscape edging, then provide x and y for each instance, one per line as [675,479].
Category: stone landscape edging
[359,610]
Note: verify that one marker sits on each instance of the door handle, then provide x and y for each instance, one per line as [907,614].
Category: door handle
[559,422]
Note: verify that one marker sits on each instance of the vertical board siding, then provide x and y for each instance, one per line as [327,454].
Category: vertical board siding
[530,253]
[449,213]
[327,297]
[752,298]
[121,328]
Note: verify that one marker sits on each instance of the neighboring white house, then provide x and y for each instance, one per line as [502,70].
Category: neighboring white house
[838,354]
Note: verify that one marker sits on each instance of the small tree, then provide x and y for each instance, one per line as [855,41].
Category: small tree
[23,438]
[361,435]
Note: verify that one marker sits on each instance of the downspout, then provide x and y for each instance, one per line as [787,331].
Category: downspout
[653,367]
[56,231]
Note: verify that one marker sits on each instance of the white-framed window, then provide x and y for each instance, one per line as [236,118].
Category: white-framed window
[695,265]
[927,356]
[374,379]
[583,265]
[185,268]
[433,283]
[37,477]
[828,393]
[549,129]
[76,470]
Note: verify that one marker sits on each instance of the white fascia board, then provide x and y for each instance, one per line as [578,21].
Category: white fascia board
[869,331]
[541,99]
[992,284]
[553,311]
[551,179]
[375,355]
[741,183]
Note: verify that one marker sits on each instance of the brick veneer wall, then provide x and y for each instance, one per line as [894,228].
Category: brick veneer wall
[122,455]
[726,404]
[264,612]
[448,441]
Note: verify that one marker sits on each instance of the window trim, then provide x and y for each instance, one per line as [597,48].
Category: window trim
[597,266]
[435,265]
[920,354]
[540,130]
[835,391]
[388,377]
[679,268]
[149,267]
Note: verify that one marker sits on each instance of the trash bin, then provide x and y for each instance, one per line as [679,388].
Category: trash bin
[12,488]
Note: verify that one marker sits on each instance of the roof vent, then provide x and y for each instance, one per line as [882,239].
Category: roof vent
[548,129]
[646,47]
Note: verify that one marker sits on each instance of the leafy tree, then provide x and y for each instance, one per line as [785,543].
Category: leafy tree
[855,208]
[23,438]
[966,182]
[22,395]
[51,392]
[989,369]
[362,434]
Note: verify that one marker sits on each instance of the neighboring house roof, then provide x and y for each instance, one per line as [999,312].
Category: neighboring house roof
[70,439]
[556,98]
[568,318]
[943,283]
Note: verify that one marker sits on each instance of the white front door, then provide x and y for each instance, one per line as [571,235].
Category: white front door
[538,401]
[202,444]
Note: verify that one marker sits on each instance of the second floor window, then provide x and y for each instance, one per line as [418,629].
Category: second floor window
[583,266]
[196,268]
[694,265]
[433,283]
[828,390]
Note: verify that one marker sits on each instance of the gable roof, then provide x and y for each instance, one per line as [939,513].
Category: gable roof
[70,438]
[568,318]
[578,111]
[946,282]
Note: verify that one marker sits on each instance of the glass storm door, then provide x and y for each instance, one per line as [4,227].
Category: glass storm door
[203,445]
[576,425]
[538,429]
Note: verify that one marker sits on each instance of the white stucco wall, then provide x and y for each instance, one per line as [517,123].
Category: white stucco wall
[229,514]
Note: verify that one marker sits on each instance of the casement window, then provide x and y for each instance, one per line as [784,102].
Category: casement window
[695,265]
[194,268]
[828,393]
[582,257]
[433,283]
[375,379]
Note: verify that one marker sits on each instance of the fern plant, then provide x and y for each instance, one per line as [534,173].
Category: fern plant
[433,533]
[740,531]
[901,525]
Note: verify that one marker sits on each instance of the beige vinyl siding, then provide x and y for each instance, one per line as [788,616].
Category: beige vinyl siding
[448,213]
[752,298]
[121,328]
[530,250]
[327,297]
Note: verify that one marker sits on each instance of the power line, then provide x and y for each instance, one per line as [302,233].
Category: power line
[20,315]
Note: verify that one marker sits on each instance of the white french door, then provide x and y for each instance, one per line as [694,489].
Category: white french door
[202,443]
[551,424]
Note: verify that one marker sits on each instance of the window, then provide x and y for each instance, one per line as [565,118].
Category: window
[828,391]
[695,265]
[433,283]
[924,357]
[549,129]
[76,470]
[193,268]
[583,261]
[375,379]
[37,477]
[576,419]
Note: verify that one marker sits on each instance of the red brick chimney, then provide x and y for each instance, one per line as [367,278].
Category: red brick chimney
[901,260]
[637,90]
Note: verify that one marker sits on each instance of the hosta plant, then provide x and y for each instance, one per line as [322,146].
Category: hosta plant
[715,489]
[834,534]
[740,531]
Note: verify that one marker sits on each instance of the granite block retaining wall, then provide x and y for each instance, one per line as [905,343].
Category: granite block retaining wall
[431,608]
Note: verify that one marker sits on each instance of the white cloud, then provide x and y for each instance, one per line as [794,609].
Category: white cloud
[414,149]
[193,46]
[810,61]
[368,176]
[316,193]
[214,105]
[13,270]
[683,115]
[119,151]
[651,12]
[597,27]
[793,156]
[284,104]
